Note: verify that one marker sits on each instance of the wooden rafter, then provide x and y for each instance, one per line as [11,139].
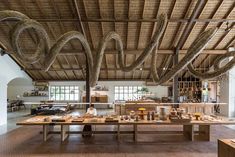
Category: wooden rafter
[116,58]
[69,52]
[190,25]
[29,33]
[153,30]
[206,26]
[80,20]
[102,32]
[138,43]
[90,20]
[165,60]
[219,26]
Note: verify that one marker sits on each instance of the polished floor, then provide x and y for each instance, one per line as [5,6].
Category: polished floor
[27,142]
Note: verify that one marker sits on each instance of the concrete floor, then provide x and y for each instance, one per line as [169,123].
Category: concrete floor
[27,142]
[12,118]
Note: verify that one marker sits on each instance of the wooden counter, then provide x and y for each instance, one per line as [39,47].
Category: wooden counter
[226,148]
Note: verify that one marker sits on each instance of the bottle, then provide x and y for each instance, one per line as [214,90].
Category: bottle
[148,116]
[153,116]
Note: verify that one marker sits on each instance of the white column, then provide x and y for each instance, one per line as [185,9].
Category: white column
[231,106]
[227,93]
[3,103]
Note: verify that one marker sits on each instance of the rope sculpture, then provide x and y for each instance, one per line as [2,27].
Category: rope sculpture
[47,53]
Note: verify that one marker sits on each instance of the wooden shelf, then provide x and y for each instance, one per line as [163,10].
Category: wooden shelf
[36,96]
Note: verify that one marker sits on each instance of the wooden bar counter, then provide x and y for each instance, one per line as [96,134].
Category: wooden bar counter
[188,132]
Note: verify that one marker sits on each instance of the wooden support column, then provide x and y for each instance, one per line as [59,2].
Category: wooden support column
[88,89]
[188,132]
[175,79]
[204,133]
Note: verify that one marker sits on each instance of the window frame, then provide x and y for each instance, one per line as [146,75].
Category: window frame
[64,93]
[127,93]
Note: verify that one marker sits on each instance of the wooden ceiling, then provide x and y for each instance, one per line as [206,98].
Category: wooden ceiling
[133,20]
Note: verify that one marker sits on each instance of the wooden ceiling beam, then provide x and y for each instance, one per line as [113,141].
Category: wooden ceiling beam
[133,73]
[196,12]
[100,79]
[64,69]
[79,64]
[138,43]
[190,25]
[219,26]
[38,4]
[227,32]
[70,52]
[116,58]
[165,60]
[222,20]
[205,27]
[153,30]
[66,59]
[102,32]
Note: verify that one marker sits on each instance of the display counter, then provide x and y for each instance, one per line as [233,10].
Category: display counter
[49,122]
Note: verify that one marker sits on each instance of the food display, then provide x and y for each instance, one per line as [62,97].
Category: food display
[141,114]
[77,119]
[178,116]
[162,114]
[60,118]
[111,119]
[197,115]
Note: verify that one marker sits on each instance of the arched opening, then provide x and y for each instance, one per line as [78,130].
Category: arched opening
[16,110]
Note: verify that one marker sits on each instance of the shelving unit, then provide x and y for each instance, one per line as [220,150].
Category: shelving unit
[190,90]
[40,90]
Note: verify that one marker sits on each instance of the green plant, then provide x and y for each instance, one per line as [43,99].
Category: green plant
[143,89]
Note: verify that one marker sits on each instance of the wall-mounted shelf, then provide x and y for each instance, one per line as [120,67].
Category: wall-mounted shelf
[36,96]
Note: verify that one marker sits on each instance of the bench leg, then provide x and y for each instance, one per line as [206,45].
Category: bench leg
[64,132]
[46,132]
[204,133]
[188,131]
[118,133]
[135,135]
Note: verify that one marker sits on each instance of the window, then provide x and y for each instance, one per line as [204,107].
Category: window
[127,92]
[68,93]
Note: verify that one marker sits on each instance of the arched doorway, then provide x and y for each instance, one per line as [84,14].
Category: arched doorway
[16,110]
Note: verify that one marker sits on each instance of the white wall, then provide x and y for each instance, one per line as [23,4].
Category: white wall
[18,87]
[9,70]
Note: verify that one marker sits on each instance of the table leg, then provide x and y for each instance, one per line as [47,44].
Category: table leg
[188,131]
[46,132]
[118,133]
[64,132]
[204,132]
[135,135]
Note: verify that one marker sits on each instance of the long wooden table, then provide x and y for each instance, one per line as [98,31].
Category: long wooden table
[189,132]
